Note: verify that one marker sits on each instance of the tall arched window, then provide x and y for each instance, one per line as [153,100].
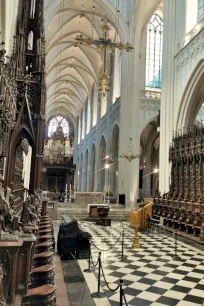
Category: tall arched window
[200,9]
[58,121]
[154,52]
[117,75]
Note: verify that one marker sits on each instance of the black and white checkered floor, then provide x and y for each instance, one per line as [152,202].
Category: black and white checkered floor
[151,276]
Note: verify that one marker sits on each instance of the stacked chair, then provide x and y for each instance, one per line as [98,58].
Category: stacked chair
[41,289]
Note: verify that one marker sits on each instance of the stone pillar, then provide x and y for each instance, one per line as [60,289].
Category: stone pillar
[82,177]
[129,127]
[147,179]
[167,97]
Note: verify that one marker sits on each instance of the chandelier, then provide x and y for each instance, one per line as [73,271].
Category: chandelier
[104,44]
[130,155]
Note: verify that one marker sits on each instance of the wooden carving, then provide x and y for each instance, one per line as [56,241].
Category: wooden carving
[187,183]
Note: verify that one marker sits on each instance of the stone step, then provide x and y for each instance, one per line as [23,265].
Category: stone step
[85,217]
[79,212]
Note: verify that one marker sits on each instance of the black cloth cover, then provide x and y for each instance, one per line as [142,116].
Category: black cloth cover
[71,239]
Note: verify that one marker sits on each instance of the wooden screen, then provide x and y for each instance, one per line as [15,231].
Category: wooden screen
[17,183]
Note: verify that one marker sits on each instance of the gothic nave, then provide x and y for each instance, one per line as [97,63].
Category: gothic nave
[101,152]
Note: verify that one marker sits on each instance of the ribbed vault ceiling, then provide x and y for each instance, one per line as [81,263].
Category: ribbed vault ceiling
[71,71]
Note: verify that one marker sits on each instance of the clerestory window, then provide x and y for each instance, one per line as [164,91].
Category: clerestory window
[154,52]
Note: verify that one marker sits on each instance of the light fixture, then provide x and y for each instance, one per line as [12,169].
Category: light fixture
[44,170]
[130,155]
[104,44]
[107,165]
[156,170]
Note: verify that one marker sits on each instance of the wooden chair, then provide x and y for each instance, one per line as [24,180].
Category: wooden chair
[44,238]
[40,296]
[41,227]
[41,276]
[45,222]
[42,259]
[44,247]
[45,231]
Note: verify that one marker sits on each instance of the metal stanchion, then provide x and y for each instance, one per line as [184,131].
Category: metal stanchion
[176,257]
[122,257]
[90,269]
[121,292]
[98,294]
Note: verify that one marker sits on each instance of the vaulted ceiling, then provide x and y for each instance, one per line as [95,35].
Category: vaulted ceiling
[71,71]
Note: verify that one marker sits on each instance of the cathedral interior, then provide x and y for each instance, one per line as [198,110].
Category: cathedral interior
[101,152]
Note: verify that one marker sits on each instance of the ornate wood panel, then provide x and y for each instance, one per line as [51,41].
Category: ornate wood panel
[183,206]
[17,183]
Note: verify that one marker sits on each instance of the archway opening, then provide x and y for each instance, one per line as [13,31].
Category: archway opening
[86,171]
[113,171]
[101,165]
[92,169]
[149,161]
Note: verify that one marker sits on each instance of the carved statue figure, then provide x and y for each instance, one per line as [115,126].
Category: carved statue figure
[32,209]
[2,300]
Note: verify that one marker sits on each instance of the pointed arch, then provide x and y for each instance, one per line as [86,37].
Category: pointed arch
[192,98]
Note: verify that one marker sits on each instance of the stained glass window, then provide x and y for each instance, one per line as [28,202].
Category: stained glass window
[121,60]
[58,121]
[154,52]
[200,9]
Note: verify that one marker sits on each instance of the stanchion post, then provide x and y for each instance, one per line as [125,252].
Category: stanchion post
[122,257]
[98,294]
[90,269]
[176,257]
[121,292]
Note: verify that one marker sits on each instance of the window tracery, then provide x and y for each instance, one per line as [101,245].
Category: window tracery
[154,52]
[30,40]
[32,8]
[200,9]
[58,121]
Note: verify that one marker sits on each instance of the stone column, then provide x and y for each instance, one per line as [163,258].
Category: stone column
[129,127]
[147,179]
[167,97]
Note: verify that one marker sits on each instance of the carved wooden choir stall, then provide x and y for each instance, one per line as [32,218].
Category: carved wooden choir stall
[26,231]
[183,207]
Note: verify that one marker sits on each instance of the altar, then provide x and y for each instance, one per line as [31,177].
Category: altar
[88,197]
[92,209]
[99,213]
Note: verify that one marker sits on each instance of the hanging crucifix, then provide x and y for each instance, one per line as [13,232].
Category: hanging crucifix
[104,44]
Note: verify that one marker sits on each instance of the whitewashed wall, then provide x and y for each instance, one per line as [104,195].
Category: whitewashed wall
[183,70]
[8,19]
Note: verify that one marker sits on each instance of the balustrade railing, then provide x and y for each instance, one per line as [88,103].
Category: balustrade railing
[150,94]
